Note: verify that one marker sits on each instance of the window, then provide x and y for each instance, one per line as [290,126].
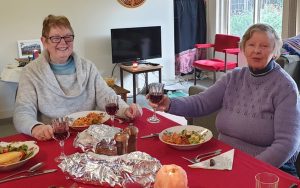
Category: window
[243,13]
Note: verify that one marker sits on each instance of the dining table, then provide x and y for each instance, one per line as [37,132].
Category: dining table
[243,172]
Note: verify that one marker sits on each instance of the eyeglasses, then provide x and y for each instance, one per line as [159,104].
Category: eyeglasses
[57,39]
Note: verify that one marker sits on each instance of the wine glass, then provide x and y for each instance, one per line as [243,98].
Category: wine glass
[112,107]
[61,132]
[156,93]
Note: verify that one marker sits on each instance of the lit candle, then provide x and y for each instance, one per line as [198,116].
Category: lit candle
[135,65]
[171,176]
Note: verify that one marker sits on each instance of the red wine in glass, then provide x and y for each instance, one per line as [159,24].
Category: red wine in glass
[61,132]
[156,92]
[155,97]
[63,135]
[111,108]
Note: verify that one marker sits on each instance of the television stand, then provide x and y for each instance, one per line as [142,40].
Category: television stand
[142,68]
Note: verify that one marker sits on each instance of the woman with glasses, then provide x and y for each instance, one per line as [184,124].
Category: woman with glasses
[59,83]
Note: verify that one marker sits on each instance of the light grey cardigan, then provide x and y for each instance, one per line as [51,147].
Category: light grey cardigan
[42,95]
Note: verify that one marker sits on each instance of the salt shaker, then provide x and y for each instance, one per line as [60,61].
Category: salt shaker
[121,139]
[133,133]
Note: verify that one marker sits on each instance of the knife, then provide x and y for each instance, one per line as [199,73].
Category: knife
[29,175]
[150,135]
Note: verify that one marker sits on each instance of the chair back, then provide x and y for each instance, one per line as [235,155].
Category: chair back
[226,41]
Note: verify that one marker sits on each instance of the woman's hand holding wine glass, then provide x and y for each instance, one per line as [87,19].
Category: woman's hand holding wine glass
[112,107]
[61,132]
[156,93]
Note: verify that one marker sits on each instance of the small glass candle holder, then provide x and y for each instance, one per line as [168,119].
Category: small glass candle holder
[135,65]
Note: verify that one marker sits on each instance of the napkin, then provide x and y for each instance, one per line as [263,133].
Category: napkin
[223,161]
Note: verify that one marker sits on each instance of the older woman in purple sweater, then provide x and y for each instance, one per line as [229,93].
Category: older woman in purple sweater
[259,104]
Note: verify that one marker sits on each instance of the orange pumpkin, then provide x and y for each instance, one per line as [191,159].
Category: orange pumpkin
[171,176]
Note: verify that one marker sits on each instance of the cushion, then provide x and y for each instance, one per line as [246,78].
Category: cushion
[292,45]
[214,65]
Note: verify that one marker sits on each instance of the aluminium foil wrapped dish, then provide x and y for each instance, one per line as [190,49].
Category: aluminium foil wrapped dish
[114,171]
[88,139]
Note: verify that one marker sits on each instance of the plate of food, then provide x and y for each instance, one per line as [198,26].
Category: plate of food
[16,154]
[185,137]
[82,120]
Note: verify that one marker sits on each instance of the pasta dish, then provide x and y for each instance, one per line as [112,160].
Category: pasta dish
[89,119]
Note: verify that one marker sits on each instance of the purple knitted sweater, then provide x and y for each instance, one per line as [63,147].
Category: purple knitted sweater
[258,115]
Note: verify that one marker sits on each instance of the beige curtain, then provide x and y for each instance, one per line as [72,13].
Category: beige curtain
[298,18]
[291,18]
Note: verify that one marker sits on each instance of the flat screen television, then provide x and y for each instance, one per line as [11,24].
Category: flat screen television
[135,44]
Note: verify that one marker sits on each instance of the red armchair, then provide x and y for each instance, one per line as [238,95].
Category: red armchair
[226,44]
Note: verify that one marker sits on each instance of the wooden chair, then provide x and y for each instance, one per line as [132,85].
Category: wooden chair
[226,44]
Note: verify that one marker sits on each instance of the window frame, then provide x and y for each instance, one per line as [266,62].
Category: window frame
[225,12]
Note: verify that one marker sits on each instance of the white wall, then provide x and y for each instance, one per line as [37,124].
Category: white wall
[91,21]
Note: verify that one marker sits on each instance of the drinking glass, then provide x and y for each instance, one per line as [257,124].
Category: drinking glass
[61,132]
[112,107]
[266,180]
[156,93]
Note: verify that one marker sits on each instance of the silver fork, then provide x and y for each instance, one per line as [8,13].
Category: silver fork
[199,157]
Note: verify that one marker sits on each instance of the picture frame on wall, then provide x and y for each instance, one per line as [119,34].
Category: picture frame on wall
[26,47]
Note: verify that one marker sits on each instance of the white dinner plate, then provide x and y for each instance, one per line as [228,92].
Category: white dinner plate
[207,136]
[77,115]
[31,147]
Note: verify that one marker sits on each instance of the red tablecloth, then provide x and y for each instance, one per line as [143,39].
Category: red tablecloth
[242,175]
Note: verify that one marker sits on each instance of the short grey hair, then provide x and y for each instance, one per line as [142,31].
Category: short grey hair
[264,28]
